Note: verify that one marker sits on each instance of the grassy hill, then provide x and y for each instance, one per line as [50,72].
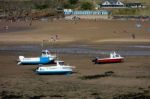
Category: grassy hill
[48,5]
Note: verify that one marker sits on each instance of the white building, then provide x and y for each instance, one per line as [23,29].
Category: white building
[119,4]
[112,4]
[86,14]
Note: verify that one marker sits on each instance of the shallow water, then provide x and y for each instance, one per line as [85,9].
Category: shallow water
[141,46]
[124,50]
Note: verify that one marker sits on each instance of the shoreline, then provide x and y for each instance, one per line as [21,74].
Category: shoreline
[110,41]
[83,32]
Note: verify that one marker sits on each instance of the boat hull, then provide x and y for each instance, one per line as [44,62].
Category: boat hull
[101,61]
[53,72]
[36,61]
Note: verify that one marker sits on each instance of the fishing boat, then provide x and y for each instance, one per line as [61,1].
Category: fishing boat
[114,58]
[45,58]
[59,68]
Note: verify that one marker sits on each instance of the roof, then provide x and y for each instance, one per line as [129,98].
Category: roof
[45,50]
[111,1]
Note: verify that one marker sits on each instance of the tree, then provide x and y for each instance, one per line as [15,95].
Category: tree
[73,1]
[87,6]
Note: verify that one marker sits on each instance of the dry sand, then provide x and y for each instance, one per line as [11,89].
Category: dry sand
[81,31]
[129,79]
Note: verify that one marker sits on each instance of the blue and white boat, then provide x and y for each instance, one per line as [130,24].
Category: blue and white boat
[59,68]
[45,58]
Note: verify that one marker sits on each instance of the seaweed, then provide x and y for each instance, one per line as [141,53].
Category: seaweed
[132,96]
[96,76]
[6,95]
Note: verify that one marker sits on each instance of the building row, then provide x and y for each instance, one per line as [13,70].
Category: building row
[85,12]
[119,4]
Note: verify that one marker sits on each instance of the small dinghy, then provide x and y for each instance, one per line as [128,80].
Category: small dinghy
[59,68]
[45,58]
[114,58]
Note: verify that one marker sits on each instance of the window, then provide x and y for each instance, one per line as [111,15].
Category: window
[61,63]
[44,53]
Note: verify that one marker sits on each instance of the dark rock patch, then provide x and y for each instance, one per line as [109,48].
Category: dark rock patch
[6,95]
[133,96]
[96,76]
[36,97]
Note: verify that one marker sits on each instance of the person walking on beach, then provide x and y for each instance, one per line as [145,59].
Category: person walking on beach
[31,22]
[6,27]
[133,36]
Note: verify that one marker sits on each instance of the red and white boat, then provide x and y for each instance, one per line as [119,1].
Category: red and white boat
[114,58]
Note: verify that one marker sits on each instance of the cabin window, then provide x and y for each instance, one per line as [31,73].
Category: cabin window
[48,53]
[117,55]
[44,53]
[61,63]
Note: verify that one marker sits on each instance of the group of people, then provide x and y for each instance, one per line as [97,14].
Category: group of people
[6,27]
[54,38]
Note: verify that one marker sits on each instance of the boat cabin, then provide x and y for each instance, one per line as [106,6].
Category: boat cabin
[45,53]
[60,63]
[114,55]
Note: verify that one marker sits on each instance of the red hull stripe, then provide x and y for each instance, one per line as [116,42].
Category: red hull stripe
[109,60]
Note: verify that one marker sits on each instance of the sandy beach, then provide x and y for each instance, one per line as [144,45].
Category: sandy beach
[87,31]
[77,43]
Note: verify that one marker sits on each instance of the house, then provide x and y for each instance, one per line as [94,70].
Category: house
[119,4]
[112,4]
[134,5]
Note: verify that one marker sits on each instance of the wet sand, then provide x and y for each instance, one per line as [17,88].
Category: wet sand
[129,79]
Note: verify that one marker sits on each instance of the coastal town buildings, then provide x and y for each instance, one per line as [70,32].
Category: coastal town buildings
[119,4]
[86,14]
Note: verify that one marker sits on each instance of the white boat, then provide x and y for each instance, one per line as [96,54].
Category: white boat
[59,68]
[45,58]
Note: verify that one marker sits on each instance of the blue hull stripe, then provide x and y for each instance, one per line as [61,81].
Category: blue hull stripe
[37,62]
[42,60]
